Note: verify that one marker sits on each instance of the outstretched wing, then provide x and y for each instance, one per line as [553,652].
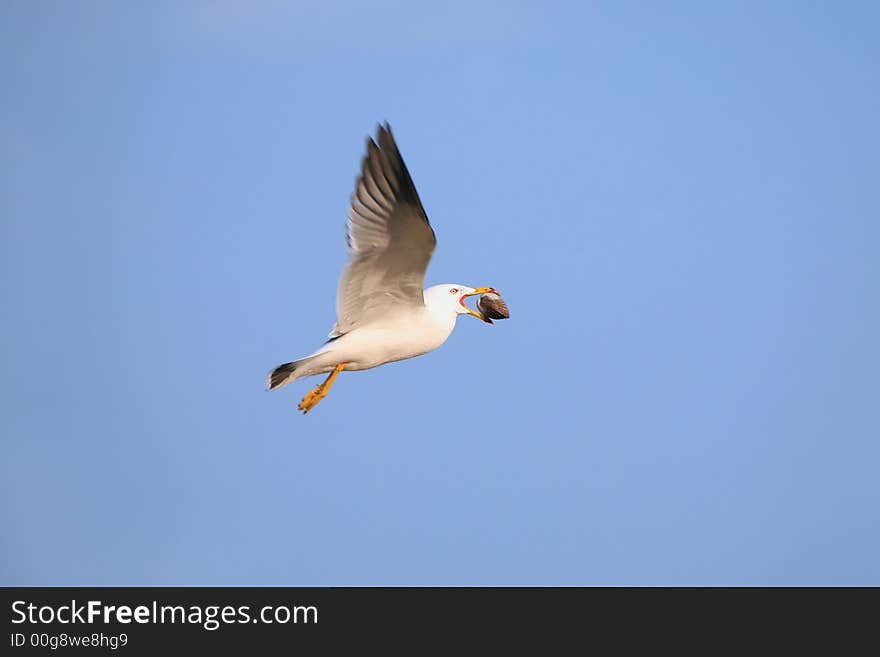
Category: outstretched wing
[390,240]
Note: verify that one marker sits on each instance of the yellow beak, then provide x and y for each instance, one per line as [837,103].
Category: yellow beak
[477,292]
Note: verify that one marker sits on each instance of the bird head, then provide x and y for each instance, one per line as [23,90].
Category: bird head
[452,296]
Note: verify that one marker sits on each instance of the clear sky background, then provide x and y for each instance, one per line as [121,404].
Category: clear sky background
[680,203]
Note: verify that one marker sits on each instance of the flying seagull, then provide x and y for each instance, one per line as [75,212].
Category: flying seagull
[383,314]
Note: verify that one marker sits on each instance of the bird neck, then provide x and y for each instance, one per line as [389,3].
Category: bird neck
[442,317]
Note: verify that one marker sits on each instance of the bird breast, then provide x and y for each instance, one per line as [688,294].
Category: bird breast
[392,340]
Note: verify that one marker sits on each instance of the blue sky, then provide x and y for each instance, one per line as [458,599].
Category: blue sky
[679,203]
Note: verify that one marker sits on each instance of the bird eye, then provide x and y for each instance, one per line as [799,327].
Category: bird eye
[453,290]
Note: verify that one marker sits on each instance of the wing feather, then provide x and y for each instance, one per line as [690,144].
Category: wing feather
[390,240]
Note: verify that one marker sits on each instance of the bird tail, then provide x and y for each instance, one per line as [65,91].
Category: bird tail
[284,374]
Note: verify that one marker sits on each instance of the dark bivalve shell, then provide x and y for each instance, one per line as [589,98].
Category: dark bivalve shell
[493,306]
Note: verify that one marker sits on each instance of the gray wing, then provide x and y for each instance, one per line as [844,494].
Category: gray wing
[390,241]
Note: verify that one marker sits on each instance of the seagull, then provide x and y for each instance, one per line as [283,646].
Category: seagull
[383,314]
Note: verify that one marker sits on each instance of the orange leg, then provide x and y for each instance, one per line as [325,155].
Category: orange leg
[314,396]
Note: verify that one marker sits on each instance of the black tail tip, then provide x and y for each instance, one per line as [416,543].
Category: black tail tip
[280,374]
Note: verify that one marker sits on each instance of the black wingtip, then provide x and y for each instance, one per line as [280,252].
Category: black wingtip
[383,132]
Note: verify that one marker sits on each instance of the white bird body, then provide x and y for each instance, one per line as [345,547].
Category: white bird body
[383,314]
[397,336]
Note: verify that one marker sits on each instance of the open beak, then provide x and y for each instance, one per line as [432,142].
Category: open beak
[477,292]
